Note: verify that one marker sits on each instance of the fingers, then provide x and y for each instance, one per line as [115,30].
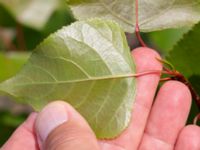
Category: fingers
[146,86]
[60,127]
[189,138]
[23,138]
[167,117]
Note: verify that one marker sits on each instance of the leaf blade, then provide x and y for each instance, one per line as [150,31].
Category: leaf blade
[77,64]
[153,15]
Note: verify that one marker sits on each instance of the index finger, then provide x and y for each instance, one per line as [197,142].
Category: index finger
[24,137]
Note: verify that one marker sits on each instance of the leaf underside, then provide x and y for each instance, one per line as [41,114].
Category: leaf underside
[88,64]
[153,14]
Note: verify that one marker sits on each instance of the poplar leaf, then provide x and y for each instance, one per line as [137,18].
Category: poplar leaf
[153,14]
[88,64]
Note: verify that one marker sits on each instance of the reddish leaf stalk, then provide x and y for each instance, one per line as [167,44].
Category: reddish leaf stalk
[196,119]
[137,29]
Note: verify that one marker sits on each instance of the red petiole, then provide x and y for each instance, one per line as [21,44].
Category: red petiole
[175,75]
[137,28]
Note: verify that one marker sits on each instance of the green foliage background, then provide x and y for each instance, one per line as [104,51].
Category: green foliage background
[17,39]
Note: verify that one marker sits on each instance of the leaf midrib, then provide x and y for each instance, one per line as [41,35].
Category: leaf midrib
[76,81]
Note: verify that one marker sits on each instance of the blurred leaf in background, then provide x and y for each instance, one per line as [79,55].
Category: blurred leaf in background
[29,32]
[32,13]
[164,40]
[10,64]
[61,17]
[6,19]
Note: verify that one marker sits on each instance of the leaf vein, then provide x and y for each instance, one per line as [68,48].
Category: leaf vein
[80,80]
[86,96]
[115,14]
[44,70]
[70,61]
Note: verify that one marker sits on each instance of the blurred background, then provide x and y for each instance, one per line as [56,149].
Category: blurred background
[24,24]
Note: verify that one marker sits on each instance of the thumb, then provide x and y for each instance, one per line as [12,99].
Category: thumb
[60,127]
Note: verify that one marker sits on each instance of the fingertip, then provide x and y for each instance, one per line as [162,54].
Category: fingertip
[145,51]
[31,118]
[189,138]
[30,121]
[177,85]
[53,115]
[192,130]
[24,136]
[60,125]
[145,59]
[178,90]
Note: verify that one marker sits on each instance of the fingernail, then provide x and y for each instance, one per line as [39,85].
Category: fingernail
[53,115]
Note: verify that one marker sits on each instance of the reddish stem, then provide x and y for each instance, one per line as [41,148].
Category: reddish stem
[137,28]
[196,119]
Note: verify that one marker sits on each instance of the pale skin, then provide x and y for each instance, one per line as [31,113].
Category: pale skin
[160,126]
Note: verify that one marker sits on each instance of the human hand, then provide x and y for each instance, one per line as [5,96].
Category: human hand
[159,127]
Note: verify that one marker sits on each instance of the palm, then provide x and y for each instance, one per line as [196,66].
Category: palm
[157,127]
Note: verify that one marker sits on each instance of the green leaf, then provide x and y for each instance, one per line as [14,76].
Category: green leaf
[164,40]
[186,53]
[10,64]
[33,13]
[185,56]
[88,64]
[6,19]
[61,17]
[153,15]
